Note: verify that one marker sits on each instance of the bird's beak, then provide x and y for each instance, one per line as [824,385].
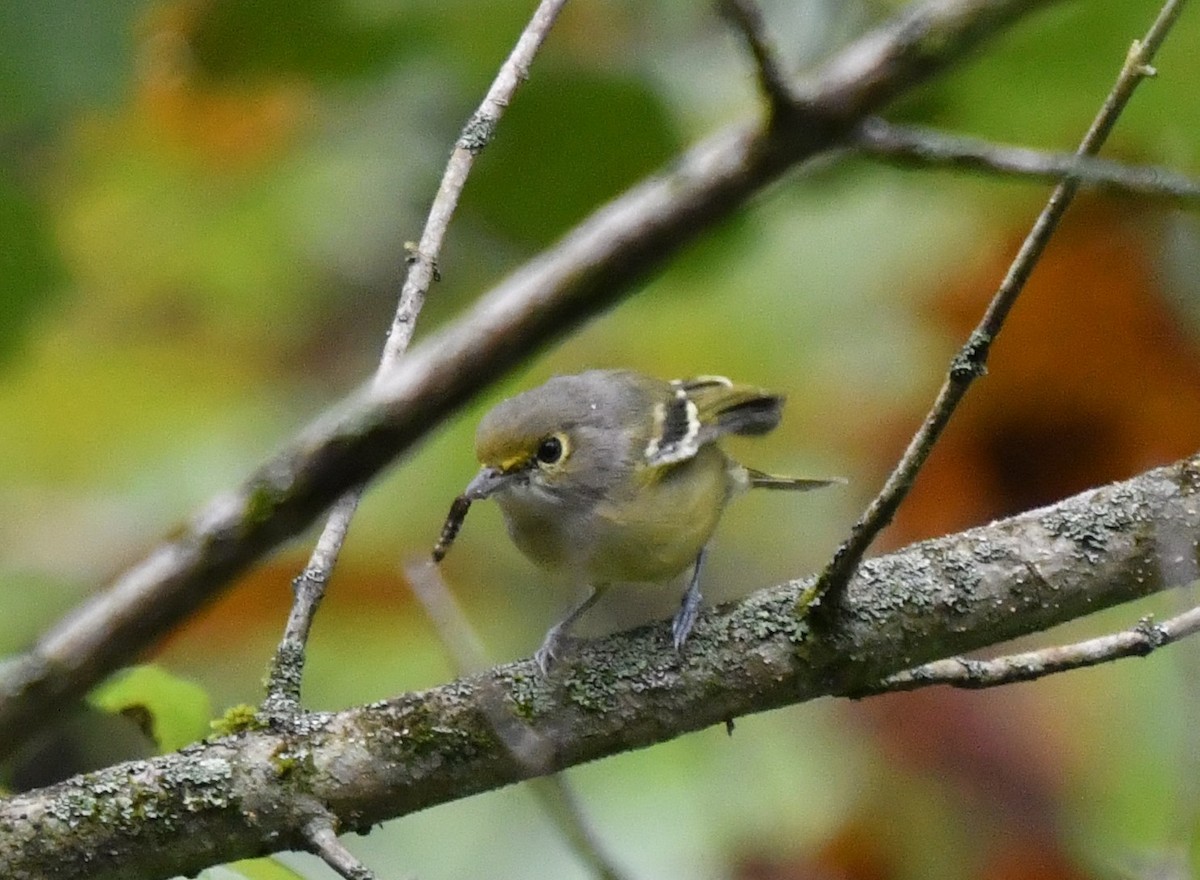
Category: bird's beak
[488,481]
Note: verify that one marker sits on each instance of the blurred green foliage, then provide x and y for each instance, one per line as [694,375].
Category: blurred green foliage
[58,57]
[556,120]
[313,39]
[203,207]
[30,269]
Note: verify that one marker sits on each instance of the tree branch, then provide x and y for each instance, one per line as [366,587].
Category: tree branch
[774,84]
[237,796]
[917,147]
[322,838]
[1138,641]
[591,268]
[908,49]
[971,361]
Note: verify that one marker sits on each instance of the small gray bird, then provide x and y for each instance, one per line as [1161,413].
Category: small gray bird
[612,476]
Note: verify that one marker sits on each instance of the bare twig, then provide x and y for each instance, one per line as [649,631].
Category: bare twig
[308,588]
[971,361]
[460,640]
[230,798]
[592,267]
[963,672]
[773,81]
[914,146]
[554,794]
[322,837]
[476,134]
[560,802]
[284,678]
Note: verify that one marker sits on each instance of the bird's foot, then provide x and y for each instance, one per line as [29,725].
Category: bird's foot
[685,618]
[552,647]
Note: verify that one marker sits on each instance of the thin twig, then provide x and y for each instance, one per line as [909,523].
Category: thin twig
[285,673]
[773,81]
[559,801]
[917,147]
[284,677]
[321,836]
[465,649]
[463,646]
[593,266]
[476,134]
[971,361]
[1138,641]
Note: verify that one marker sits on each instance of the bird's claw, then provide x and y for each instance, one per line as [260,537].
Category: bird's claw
[547,655]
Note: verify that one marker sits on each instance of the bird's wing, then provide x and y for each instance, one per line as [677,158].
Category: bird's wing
[699,410]
[724,407]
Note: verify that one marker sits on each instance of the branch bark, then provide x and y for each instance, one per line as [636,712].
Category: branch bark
[256,791]
[910,146]
[589,270]
[1145,637]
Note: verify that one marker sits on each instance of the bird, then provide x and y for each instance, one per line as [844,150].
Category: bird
[613,476]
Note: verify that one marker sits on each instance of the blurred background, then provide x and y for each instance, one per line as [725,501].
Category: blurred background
[203,210]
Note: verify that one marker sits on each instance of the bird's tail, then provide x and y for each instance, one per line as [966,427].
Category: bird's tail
[760,480]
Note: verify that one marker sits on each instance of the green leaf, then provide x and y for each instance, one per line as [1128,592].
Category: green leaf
[170,710]
[251,869]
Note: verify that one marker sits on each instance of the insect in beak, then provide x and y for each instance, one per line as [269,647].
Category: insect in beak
[486,482]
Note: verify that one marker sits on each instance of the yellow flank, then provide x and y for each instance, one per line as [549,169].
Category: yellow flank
[654,535]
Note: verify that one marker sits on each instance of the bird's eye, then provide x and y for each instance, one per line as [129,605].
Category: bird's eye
[550,450]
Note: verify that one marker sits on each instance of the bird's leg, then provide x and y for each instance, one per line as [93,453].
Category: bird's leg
[548,652]
[685,619]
